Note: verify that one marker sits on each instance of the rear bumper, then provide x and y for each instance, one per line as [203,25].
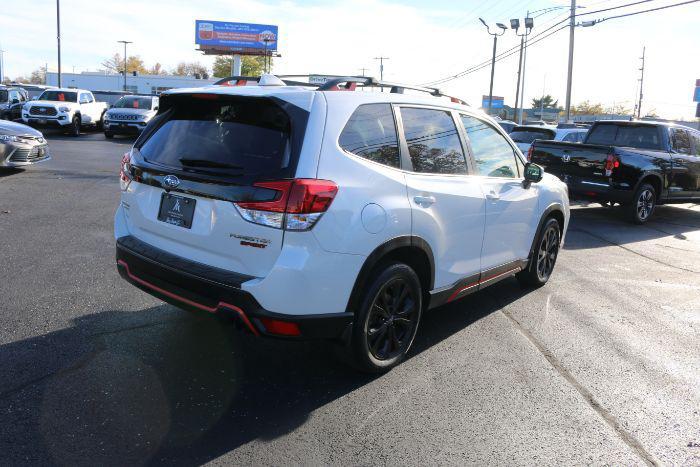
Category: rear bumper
[197,287]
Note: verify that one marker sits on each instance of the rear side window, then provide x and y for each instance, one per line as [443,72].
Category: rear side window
[696,138]
[681,142]
[633,136]
[528,136]
[371,133]
[572,137]
[234,136]
[433,142]
[493,155]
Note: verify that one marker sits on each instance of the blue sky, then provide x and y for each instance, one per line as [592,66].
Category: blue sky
[425,40]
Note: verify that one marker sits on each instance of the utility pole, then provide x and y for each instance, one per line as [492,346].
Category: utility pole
[58,37]
[2,66]
[528,28]
[363,70]
[641,84]
[572,26]
[517,88]
[493,56]
[544,81]
[125,42]
[381,68]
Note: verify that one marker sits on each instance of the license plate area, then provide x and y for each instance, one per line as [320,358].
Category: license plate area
[176,210]
[42,121]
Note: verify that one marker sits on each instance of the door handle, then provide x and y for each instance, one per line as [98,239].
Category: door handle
[493,196]
[424,201]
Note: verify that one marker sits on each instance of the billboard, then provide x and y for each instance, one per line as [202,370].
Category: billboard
[497,102]
[236,35]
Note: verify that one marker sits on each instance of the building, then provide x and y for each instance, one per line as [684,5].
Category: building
[139,84]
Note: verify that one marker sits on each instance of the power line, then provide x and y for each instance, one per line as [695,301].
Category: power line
[613,8]
[509,52]
[647,11]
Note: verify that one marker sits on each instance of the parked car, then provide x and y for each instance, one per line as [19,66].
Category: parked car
[507,125]
[11,101]
[68,109]
[637,164]
[524,135]
[21,145]
[287,208]
[130,115]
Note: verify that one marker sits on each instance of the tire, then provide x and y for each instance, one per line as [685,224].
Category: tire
[541,265]
[75,126]
[99,125]
[109,135]
[643,204]
[386,323]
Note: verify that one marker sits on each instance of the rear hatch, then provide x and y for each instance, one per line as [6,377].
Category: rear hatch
[202,153]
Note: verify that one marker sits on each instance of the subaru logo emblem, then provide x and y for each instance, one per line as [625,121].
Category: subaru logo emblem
[171,181]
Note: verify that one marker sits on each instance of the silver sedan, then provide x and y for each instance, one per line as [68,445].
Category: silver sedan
[21,145]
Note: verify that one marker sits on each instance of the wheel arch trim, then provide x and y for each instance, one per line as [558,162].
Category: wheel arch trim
[380,252]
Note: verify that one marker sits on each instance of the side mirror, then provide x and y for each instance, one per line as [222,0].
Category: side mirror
[533,173]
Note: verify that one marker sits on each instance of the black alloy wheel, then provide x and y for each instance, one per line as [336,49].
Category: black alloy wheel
[543,257]
[386,323]
[392,320]
[547,252]
[643,204]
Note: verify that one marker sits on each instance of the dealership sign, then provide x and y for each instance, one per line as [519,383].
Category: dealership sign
[496,103]
[236,35]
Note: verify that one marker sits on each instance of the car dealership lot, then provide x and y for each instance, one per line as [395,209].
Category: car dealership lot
[599,366]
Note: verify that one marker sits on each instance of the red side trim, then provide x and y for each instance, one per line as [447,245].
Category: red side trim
[479,282]
[167,293]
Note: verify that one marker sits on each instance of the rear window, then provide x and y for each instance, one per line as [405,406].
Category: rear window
[528,136]
[233,135]
[633,136]
[59,96]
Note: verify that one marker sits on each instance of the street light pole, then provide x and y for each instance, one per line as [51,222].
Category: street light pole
[572,26]
[493,57]
[125,42]
[58,38]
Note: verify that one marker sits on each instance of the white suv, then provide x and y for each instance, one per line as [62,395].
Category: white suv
[315,213]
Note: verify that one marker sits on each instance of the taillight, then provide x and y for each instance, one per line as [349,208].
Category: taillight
[297,205]
[611,163]
[125,172]
[529,154]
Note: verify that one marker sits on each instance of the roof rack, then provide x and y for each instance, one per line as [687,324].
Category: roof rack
[341,83]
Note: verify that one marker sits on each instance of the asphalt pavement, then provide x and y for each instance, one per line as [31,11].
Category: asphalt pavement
[600,366]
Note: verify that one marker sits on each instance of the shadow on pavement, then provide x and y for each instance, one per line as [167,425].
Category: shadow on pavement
[611,226]
[8,171]
[164,386]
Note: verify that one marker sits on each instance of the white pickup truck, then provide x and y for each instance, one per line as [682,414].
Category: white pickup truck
[68,109]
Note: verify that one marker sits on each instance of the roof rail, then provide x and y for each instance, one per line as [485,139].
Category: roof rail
[341,83]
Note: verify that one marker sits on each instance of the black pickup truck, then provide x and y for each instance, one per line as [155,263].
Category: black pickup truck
[637,164]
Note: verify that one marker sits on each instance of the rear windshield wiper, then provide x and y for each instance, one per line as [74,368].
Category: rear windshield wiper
[208,163]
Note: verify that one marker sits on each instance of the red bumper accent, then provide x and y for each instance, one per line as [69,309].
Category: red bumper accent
[167,293]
